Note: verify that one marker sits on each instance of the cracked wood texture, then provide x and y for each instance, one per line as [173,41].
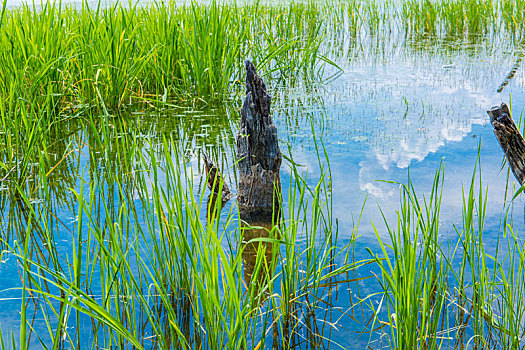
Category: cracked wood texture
[510,139]
[258,154]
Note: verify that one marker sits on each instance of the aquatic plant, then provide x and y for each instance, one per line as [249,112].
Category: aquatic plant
[138,264]
[452,293]
[158,51]
[164,51]
[413,275]
[142,260]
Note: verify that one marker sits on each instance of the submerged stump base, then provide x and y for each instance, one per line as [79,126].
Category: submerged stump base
[259,199]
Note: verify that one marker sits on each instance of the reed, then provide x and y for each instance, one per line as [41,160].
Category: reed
[143,259]
[144,268]
[146,262]
[162,50]
[433,297]
[413,277]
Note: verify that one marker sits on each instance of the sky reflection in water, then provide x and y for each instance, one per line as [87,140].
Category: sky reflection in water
[379,119]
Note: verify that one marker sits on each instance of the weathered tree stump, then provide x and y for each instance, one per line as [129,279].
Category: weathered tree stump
[510,139]
[259,193]
[258,154]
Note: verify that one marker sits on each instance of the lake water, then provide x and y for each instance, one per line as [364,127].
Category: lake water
[407,107]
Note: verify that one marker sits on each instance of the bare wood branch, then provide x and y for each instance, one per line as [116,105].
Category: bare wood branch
[510,139]
[215,178]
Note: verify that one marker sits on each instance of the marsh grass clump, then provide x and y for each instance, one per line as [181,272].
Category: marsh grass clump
[142,267]
[451,19]
[159,51]
[162,52]
[413,276]
[474,20]
[454,293]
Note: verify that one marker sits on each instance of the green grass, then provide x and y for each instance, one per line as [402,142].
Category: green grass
[142,266]
[167,52]
[413,278]
[142,260]
[453,293]
[192,52]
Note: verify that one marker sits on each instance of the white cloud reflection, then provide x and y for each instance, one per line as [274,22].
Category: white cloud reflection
[389,121]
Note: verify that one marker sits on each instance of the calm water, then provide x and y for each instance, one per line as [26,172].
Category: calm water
[385,114]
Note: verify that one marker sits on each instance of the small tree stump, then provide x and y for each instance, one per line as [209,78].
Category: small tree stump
[259,193]
[258,154]
[217,187]
[215,180]
[510,139]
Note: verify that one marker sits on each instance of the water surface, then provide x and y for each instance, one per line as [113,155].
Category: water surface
[405,108]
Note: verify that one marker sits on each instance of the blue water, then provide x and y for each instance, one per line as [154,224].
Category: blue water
[379,119]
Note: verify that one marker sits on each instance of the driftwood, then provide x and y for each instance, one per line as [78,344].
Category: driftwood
[258,154]
[510,139]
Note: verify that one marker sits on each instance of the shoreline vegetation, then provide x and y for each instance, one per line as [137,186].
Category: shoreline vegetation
[139,265]
[118,56]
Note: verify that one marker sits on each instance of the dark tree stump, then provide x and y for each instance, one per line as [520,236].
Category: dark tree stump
[510,139]
[259,192]
[258,154]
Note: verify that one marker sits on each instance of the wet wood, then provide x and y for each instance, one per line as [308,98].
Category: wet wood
[510,139]
[259,162]
[259,194]
[215,179]
[217,187]
[258,154]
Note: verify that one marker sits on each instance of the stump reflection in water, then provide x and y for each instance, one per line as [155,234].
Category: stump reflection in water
[259,240]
